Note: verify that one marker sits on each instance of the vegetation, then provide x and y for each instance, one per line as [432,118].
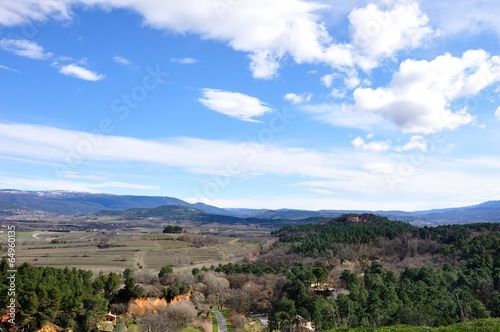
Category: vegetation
[353,272]
[66,297]
[480,325]
[468,289]
[171,229]
[215,325]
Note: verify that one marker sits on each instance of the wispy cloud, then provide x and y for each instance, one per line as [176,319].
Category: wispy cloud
[194,155]
[8,68]
[184,61]
[75,175]
[374,177]
[55,184]
[345,115]
[497,114]
[82,73]
[122,61]
[25,48]
[125,62]
[234,104]
[14,12]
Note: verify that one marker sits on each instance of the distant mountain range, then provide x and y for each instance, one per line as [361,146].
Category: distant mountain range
[77,203]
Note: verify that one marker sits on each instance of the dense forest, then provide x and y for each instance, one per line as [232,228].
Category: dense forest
[465,287]
[67,297]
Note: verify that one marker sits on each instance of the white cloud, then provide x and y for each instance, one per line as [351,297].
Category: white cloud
[373,146]
[82,73]
[122,61]
[380,33]
[497,114]
[14,12]
[417,142]
[25,48]
[338,94]
[264,65]
[233,104]
[118,59]
[351,80]
[358,177]
[68,149]
[464,17]
[184,61]
[419,96]
[79,186]
[327,80]
[75,175]
[268,31]
[298,99]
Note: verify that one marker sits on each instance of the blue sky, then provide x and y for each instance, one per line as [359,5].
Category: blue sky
[262,104]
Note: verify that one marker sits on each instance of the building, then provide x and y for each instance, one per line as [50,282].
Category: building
[108,325]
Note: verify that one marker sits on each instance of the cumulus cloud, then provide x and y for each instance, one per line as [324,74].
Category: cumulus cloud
[381,32]
[234,104]
[373,146]
[25,48]
[298,99]
[82,73]
[419,96]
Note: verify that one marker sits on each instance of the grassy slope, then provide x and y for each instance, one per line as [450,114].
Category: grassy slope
[482,325]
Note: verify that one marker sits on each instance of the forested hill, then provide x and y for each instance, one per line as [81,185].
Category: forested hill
[329,237]
[390,272]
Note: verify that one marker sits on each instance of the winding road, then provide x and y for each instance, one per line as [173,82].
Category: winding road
[221,321]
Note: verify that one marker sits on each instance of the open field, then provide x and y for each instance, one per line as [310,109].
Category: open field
[142,249]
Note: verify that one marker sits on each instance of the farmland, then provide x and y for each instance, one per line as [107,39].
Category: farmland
[143,249]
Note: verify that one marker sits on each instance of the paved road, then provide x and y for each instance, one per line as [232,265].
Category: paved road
[221,321]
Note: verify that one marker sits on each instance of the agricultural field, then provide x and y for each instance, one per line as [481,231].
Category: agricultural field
[142,249]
